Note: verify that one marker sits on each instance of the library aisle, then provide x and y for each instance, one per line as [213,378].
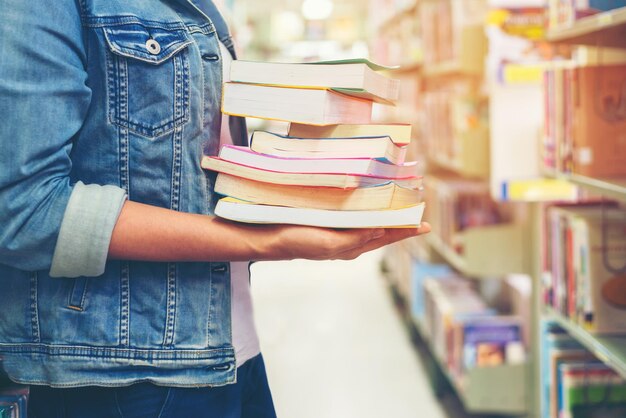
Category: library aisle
[334,345]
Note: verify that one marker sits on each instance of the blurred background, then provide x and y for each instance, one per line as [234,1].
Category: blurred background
[513,305]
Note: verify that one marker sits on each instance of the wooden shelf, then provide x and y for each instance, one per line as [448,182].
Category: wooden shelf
[603,29]
[480,244]
[609,349]
[611,188]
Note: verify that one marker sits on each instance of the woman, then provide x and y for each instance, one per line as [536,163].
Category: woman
[116,274]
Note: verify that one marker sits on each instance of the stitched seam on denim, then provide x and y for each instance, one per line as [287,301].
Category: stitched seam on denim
[124,304]
[34,310]
[231,378]
[104,21]
[154,354]
[180,103]
[165,402]
[211,305]
[205,28]
[110,85]
[123,89]
[170,316]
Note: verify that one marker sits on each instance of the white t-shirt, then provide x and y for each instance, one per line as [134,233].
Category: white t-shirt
[245,339]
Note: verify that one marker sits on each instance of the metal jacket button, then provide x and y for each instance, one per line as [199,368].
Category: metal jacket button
[153,46]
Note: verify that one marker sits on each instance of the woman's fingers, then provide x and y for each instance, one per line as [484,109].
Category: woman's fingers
[390,235]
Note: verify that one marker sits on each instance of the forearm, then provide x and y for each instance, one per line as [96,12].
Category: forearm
[144,232]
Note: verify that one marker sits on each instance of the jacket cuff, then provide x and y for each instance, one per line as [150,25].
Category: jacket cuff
[83,243]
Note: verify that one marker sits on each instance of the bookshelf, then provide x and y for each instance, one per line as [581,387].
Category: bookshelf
[609,188]
[451,81]
[605,29]
[610,350]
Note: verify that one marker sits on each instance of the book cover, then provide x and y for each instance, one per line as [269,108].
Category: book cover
[381,147]
[492,341]
[400,133]
[344,181]
[358,166]
[352,77]
[377,197]
[241,211]
[310,106]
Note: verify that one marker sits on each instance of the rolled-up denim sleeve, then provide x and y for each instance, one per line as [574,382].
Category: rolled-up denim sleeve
[44,100]
[85,234]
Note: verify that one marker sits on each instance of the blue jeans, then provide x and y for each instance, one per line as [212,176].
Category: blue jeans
[250,397]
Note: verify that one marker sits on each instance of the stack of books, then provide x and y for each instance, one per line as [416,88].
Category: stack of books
[334,168]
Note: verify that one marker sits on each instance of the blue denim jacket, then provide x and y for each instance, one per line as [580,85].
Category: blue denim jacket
[103,100]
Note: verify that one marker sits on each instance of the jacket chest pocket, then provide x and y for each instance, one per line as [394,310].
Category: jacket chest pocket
[147,77]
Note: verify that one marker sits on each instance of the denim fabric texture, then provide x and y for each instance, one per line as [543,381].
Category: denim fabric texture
[250,397]
[103,100]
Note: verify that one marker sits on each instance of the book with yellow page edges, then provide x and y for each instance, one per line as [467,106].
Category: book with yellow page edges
[379,196]
[400,133]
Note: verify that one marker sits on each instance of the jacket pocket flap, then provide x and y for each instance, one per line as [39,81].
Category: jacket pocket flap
[153,45]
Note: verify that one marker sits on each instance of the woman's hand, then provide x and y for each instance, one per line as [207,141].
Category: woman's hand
[336,244]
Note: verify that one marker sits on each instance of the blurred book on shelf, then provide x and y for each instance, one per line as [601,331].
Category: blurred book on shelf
[584,263]
[464,332]
[352,77]
[457,205]
[584,104]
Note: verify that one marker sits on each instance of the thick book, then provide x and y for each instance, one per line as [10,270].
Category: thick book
[358,166]
[311,106]
[383,196]
[241,211]
[343,181]
[292,147]
[400,133]
[353,77]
